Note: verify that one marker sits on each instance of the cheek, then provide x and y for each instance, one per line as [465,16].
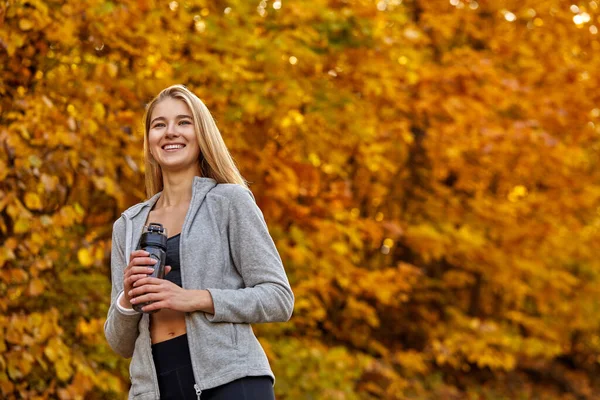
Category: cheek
[191,139]
[195,154]
[153,137]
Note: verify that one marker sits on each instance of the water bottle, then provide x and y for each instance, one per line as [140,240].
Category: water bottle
[154,241]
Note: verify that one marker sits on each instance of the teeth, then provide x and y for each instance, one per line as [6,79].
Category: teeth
[173,146]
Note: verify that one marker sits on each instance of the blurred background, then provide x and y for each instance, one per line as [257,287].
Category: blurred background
[429,171]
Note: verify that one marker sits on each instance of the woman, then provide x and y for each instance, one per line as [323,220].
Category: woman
[225,271]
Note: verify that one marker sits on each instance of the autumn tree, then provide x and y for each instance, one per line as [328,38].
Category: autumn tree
[429,172]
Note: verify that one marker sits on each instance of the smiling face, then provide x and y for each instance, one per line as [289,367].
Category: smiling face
[171,136]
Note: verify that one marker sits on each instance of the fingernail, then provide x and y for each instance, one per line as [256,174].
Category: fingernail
[150,270]
[132,301]
[129,294]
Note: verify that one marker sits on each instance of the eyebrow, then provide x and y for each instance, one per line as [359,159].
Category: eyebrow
[178,117]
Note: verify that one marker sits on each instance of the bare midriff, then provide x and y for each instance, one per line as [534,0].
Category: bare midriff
[166,324]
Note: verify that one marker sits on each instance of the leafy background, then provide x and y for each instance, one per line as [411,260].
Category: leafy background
[429,170]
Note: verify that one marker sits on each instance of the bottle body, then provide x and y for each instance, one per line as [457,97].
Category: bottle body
[154,241]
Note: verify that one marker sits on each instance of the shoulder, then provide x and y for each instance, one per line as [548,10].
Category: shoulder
[119,224]
[118,231]
[135,209]
[233,193]
[239,204]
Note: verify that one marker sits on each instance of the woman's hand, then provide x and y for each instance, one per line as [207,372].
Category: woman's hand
[136,270]
[166,294]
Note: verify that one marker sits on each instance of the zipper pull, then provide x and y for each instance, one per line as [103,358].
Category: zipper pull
[198,391]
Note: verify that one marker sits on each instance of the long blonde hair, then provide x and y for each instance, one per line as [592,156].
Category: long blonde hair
[214,161]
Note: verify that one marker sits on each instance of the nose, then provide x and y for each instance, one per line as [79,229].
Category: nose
[172,130]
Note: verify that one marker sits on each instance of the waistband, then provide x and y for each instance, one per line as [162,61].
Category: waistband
[171,354]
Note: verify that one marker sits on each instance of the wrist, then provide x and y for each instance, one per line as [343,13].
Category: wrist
[203,301]
[124,306]
[123,302]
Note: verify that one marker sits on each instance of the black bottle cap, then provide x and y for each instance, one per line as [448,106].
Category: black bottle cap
[154,236]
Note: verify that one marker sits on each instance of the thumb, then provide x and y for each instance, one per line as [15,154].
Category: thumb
[167,269]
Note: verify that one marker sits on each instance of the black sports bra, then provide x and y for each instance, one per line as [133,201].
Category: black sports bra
[173,260]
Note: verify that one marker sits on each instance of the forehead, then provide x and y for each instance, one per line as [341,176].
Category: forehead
[169,108]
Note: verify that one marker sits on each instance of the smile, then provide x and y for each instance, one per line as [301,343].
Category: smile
[173,147]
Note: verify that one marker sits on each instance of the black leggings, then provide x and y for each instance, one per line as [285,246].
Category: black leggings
[176,378]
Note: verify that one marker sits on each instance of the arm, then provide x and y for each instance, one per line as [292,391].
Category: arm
[120,328]
[267,296]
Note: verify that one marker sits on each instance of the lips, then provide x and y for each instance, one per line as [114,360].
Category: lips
[173,146]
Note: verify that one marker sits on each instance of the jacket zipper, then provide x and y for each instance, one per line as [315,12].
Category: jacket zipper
[198,391]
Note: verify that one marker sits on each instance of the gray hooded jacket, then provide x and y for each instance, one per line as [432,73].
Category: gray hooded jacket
[225,248]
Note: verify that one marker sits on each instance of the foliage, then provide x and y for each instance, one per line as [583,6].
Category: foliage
[429,171]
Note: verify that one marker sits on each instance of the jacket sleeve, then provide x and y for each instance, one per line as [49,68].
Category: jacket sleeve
[267,295]
[120,329]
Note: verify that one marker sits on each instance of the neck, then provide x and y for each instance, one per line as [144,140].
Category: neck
[177,187]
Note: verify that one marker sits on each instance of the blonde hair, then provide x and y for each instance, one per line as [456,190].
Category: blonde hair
[214,161]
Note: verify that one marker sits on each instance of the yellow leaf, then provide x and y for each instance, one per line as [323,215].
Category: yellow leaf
[340,248]
[19,364]
[32,201]
[112,69]
[21,226]
[50,352]
[25,24]
[6,386]
[99,111]
[5,255]
[83,327]
[99,254]
[84,257]
[18,275]
[63,370]
[36,287]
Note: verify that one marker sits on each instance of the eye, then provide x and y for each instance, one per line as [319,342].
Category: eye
[186,122]
[158,125]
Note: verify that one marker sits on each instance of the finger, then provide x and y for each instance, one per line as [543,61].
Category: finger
[144,298]
[148,280]
[133,279]
[130,278]
[139,253]
[167,269]
[143,261]
[140,270]
[143,289]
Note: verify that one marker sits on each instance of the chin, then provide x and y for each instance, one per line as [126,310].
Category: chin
[179,167]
